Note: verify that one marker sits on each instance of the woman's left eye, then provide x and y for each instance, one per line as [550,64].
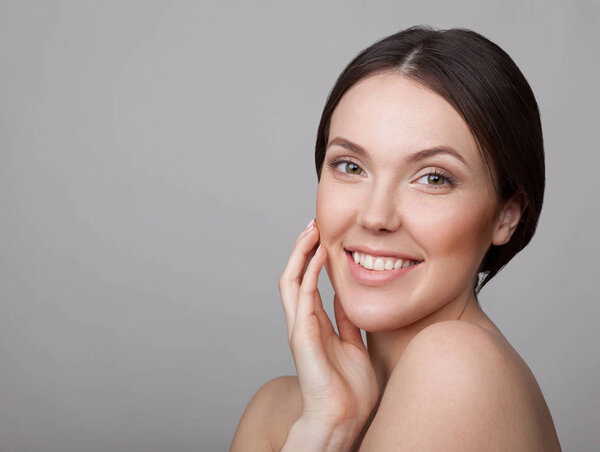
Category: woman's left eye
[435,179]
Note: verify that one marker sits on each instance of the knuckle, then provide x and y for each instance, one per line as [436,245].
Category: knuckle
[283,275]
[307,290]
[284,280]
[294,340]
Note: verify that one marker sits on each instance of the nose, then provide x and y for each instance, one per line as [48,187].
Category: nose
[380,210]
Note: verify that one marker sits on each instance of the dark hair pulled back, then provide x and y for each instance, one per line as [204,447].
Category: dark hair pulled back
[488,90]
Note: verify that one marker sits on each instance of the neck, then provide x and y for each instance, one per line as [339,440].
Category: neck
[386,347]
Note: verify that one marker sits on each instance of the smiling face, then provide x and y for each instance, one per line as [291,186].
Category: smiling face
[403,185]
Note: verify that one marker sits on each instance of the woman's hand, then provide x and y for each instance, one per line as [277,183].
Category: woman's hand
[337,380]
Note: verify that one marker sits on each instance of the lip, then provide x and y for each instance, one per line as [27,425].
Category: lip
[373,277]
[379,252]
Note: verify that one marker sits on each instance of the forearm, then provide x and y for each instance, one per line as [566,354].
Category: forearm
[314,436]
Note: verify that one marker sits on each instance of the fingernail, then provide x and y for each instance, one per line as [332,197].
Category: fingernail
[309,226]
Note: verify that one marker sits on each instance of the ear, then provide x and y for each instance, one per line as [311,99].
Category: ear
[509,218]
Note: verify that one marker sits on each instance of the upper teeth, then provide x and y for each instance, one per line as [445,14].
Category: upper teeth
[380,263]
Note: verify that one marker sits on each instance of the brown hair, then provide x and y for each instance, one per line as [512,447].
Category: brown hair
[488,90]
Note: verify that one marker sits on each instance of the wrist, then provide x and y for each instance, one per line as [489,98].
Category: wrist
[309,434]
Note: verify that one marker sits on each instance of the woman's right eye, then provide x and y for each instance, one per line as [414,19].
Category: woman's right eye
[348,167]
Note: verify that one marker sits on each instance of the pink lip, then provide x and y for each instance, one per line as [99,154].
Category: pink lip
[380,252]
[374,277]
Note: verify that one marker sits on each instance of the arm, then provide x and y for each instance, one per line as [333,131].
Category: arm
[251,433]
[268,416]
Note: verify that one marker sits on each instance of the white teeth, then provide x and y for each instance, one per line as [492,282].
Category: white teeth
[380,263]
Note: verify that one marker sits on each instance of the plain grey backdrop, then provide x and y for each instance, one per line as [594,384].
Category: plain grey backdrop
[156,166]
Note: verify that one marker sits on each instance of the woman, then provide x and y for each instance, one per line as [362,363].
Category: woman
[431,177]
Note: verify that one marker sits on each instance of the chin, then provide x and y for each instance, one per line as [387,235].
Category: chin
[374,310]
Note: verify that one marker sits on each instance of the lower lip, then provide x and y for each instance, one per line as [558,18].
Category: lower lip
[375,277]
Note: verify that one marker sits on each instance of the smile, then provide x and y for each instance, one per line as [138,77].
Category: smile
[381,263]
[385,267]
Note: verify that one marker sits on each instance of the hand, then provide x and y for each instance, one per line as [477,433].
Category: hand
[337,380]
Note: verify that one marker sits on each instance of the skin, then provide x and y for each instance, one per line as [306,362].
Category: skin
[437,373]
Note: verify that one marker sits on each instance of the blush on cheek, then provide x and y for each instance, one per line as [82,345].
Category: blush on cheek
[471,231]
[451,226]
[333,214]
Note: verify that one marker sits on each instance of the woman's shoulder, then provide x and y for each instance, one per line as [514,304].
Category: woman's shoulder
[461,386]
[456,343]
[269,415]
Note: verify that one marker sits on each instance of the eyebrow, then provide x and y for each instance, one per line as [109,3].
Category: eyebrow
[416,157]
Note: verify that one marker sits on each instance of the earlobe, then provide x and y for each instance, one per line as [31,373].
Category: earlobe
[509,218]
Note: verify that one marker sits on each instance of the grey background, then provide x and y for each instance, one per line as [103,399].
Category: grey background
[156,165]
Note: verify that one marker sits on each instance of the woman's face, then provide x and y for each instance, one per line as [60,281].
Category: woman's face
[403,184]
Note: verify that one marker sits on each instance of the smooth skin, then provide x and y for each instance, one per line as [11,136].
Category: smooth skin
[437,374]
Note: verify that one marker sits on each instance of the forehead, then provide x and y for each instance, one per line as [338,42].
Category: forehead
[394,115]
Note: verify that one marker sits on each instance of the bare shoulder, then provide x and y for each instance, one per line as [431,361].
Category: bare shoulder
[461,387]
[269,416]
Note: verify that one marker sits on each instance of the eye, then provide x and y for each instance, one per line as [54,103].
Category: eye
[433,179]
[347,167]
[436,179]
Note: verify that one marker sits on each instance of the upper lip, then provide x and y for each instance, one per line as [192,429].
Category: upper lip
[380,252]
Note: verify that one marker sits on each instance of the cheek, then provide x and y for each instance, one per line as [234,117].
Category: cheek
[459,230]
[334,213]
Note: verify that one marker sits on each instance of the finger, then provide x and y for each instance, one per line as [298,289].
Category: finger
[308,290]
[301,253]
[324,320]
[289,288]
[291,277]
[310,255]
[347,330]
[309,351]
[311,224]
[308,342]
[312,324]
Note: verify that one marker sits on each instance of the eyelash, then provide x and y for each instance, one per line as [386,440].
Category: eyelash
[433,172]
[439,173]
[336,161]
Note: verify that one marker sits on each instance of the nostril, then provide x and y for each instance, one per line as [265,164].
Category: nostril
[380,218]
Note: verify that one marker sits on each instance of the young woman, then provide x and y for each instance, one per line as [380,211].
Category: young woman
[431,177]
